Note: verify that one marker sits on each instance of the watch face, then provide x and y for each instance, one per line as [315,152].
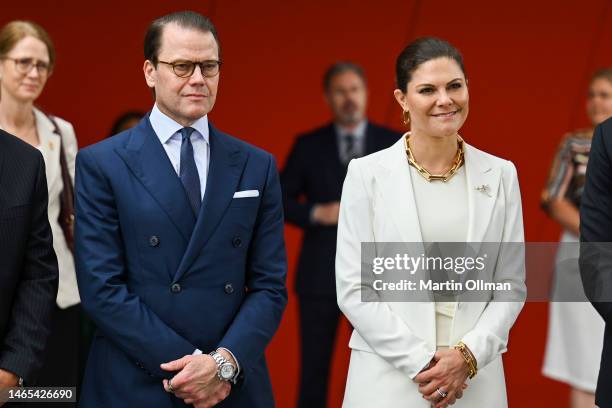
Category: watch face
[227,371]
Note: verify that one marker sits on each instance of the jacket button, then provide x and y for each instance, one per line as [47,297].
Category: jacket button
[154,241]
[229,288]
[237,242]
[175,288]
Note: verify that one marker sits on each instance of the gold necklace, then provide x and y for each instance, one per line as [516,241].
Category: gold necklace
[457,163]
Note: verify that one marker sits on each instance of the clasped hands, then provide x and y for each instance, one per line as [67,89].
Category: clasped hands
[443,381]
[196,382]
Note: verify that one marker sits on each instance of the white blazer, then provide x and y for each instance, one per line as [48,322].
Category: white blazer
[393,341]
[68,293]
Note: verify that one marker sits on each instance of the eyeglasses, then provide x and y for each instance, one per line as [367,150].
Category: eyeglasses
[25,65]
[184,69]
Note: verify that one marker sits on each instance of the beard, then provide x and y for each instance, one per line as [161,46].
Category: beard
[349,113]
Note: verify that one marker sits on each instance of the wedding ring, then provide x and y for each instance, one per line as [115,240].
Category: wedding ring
[441,393]
[171,388]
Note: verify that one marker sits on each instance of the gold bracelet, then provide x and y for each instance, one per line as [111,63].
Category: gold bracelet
[469,358]
[471,369]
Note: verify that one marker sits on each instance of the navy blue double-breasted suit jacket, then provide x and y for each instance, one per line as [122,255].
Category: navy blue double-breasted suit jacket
[160,282]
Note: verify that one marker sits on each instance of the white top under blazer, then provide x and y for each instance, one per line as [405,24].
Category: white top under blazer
[442,210]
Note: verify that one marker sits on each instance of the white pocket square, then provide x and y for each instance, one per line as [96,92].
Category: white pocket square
[246,193]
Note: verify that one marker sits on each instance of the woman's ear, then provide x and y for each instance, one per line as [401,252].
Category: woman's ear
[400,97]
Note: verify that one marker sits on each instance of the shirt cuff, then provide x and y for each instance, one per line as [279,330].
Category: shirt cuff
[197,352]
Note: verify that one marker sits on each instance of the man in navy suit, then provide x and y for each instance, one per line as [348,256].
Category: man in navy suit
[312,185]
[179,243]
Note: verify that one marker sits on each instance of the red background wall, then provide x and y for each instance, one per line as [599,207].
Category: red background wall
[528,64]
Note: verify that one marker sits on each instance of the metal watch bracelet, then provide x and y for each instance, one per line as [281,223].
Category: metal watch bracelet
[221,361]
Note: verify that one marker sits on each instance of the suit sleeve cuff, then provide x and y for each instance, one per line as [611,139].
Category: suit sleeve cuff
[18,366]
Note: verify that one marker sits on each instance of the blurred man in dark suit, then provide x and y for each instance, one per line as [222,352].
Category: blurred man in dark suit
[312,185]
[596,247]
[28,266]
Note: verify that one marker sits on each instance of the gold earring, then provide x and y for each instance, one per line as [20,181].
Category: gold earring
[406,117]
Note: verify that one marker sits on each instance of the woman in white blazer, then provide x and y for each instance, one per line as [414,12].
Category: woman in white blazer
[27,57]
[430,186]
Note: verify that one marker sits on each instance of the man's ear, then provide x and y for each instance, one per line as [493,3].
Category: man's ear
[150,73]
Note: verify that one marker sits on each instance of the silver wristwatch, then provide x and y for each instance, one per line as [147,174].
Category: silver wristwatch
[225,370]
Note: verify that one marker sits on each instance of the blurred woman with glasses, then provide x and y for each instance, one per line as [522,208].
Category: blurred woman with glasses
[27,59]
[575,331]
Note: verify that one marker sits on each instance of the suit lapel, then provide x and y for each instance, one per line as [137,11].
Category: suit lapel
[399,203]
[398,196]
[50,144]
[483,185]
[333,150]
[147,159]
[225,167]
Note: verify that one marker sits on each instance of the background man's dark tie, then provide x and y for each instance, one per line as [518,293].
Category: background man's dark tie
[350,148]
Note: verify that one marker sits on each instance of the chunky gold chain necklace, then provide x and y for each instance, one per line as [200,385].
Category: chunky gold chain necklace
[457,163]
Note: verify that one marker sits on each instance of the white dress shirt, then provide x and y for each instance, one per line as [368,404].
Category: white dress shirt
[168,132]
[359,132]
